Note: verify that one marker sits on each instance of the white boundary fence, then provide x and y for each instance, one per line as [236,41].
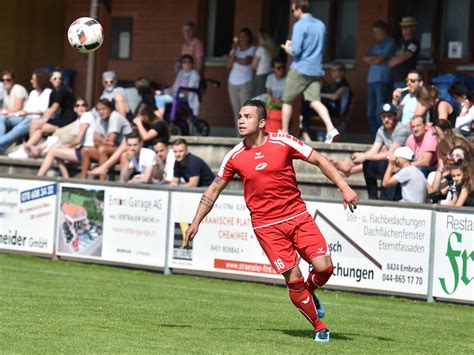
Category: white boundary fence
[420,251]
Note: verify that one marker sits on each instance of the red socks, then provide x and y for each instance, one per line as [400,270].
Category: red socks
[318,279]
[303,300]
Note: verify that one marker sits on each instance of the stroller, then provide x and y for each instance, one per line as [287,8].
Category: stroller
[181,118]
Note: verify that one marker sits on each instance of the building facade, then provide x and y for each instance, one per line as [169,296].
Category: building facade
[143,38]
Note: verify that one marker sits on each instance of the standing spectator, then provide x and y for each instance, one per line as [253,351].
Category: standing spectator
[193,46]
[72,152]
[464,98]
[137,163]
[18,125]
[164,167]
[409,104]
[390,136]
[306,47]
[194,171]
[411,179]
[110,128]
[433,107]
[59,114]
[406,57]
[262,62]
[424,145]
[379,78]
[114,93]
[239,60]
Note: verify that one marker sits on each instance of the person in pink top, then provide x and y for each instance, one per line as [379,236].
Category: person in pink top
[192,45]
[280,220]
[424,144]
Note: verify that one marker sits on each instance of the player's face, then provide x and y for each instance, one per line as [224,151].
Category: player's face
[103,111]
[134,145]
[457,175]
[388,120]
[417,127]
[161,150]
[248,122]
[180,152]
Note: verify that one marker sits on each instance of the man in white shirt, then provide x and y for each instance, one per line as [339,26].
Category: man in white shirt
[164,167]
[137,163]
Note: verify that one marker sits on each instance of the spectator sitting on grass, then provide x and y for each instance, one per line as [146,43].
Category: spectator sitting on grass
[412,180]
[137,163]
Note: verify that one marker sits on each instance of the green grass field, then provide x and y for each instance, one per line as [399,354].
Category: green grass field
[66,307]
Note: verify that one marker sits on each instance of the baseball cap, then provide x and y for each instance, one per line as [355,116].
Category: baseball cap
[388,107]
[404,152]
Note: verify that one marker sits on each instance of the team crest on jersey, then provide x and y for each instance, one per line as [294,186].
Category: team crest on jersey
[261,166]
[259,155]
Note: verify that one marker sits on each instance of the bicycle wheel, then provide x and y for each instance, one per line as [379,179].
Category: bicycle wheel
[200,128]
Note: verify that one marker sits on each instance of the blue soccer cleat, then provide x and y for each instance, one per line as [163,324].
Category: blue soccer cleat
[322,336]
[319,306]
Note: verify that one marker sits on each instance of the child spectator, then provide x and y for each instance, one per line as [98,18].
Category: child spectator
[137,163]
[412,180]
[463,194]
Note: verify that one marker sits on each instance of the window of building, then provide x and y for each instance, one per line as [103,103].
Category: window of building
[220,27]
[121,38]
[455,34]
[340,18]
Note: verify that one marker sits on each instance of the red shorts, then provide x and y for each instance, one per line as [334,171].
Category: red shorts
[285,242]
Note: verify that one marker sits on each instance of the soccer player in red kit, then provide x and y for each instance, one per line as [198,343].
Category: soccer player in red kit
[283,226]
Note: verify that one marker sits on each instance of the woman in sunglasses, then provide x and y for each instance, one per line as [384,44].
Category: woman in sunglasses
[59,114]
[72,152]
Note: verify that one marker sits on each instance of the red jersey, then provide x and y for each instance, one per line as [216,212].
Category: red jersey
[268,177]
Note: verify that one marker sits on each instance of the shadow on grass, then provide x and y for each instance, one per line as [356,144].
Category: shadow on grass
[174,325]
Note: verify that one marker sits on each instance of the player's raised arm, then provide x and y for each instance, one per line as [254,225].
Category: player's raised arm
[205,206]
[349,196]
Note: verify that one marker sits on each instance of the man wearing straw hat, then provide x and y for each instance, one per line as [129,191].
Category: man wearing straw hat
[407,56]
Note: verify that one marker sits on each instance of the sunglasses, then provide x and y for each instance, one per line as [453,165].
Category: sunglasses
[186,62]
[56,78]
[456,156]
[108,82]
[412,80]
[279,68]
[80,105]
[6,80]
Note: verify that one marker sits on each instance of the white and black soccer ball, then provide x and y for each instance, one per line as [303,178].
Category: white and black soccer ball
[85,35]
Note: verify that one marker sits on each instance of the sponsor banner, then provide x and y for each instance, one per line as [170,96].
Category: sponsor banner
[225,242]
[453,276]
[27,213]
[113,224]
[377,248]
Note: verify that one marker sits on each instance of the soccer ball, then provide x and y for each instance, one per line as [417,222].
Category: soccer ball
[85,35]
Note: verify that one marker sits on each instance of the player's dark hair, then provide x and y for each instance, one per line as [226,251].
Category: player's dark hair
[107,103]
[381,25]
[260,105]
[159,140]
[134,135]
[180,141]
[303,5]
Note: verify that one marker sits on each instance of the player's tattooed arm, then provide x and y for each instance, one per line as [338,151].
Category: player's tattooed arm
[218,180]
[206,201]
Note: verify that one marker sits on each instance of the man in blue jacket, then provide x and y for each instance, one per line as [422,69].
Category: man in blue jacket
[306,47]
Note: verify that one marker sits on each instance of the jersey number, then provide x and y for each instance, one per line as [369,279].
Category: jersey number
[279,264]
